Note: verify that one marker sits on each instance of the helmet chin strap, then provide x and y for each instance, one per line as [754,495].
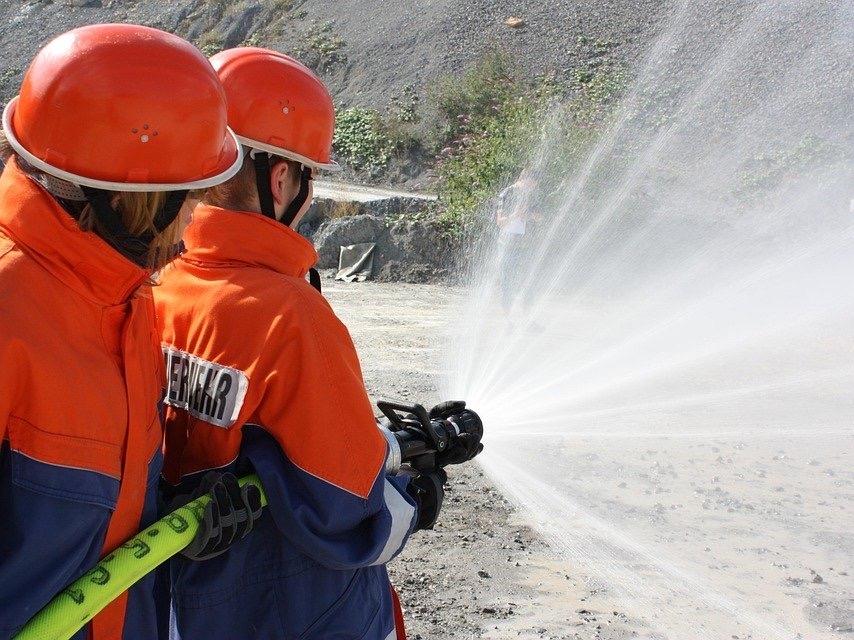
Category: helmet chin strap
[262,182]
[292,211]
[298,202]
[265,197]
[265,194]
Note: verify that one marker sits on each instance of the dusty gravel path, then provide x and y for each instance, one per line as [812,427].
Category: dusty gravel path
[349,192]
[482,572]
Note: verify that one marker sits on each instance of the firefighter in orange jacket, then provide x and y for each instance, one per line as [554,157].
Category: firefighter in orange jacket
[262,376]
[99,168]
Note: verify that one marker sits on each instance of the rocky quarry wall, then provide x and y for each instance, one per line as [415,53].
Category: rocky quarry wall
[406,249]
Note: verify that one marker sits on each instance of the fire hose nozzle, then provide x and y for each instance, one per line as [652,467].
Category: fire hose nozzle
[422,442]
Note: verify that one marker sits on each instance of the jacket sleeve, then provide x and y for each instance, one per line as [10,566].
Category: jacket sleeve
[323,464]
[334,527]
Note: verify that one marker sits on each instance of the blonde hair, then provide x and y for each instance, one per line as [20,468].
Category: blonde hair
[137,211]
[5,148]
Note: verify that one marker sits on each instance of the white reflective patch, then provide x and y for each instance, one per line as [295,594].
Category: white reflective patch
[206,390]
[402,514]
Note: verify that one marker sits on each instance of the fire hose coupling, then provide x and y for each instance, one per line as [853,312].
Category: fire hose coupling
[395,457]
[449,434]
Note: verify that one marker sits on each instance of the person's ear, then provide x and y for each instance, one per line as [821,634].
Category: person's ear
[280,179]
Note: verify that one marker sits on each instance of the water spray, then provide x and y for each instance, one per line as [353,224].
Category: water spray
[686,406]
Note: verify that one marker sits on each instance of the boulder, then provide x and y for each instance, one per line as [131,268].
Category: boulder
[406,251]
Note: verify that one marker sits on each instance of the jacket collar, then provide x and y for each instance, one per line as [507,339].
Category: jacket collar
[242,238]
[49,235]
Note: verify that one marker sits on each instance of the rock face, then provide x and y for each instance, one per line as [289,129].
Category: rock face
[406,250]
[339,232]
[379,51]
[372,49]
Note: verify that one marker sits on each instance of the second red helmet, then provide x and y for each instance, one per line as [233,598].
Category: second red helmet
[276,104]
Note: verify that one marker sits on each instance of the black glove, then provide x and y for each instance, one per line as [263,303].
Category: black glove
[447,408]
[228,516]
[427,491]
[465,446]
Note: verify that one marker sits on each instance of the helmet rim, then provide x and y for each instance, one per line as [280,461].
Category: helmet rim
[227,168]
[285,153]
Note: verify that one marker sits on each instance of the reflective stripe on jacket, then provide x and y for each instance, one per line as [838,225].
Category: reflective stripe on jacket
[79,388]
[261,374]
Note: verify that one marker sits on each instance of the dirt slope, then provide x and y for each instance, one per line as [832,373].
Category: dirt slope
[384,45]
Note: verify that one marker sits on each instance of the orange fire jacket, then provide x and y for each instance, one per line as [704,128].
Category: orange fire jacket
[80,371]
[254,317]
[261,374]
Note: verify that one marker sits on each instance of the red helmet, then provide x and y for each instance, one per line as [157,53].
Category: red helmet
[125,108]
[276,104]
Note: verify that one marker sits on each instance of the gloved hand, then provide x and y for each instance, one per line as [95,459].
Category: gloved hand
[228,516]
[466,445]
[447,408]
[427,491]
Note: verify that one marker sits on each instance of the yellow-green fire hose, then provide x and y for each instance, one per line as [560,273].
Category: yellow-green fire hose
[80,601]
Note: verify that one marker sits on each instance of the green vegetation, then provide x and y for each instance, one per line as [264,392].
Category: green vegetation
[360,142]
[368,141]
[216,16]
[320,48]
[478,127]
[317,45]
[491,120]
[766,172]
[210,43]
[403,108]
[486,123]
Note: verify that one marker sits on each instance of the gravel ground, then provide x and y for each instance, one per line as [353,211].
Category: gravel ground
[482,572]
[769,552]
